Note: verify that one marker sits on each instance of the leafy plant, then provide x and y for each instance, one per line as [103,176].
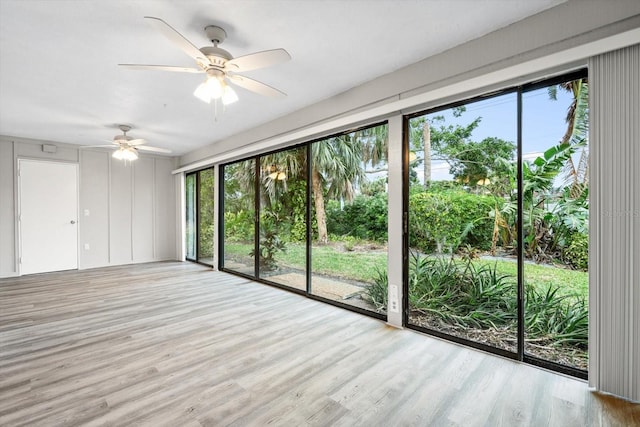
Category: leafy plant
[475,295]
[550,317]
[577,253]
[365,218]
[443,220]
[239,226]
[377,292]
[270,243]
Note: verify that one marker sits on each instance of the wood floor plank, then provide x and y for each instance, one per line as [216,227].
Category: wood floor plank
[177,344]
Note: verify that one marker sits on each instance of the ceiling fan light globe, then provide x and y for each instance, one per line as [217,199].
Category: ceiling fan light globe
[202,93]
[229,95]
[214,86]
[118,154]
[129,154]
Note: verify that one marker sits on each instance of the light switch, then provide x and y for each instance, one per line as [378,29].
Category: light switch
[86,212]
[86,246]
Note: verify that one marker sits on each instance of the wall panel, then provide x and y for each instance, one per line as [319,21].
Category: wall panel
[165,212]
[94,209]
[120,212]
[143,217]
[7,211]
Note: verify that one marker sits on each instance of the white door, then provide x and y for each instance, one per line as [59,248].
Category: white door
[48,216]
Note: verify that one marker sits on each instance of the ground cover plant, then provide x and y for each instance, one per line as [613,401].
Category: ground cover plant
[477,300]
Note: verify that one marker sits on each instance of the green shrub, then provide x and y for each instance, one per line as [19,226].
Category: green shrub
[238,226]
[364,218]
[443,220]
[270,242]
[577,253]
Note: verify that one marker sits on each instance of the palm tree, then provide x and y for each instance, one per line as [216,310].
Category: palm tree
[577,119]
[375,146]
[338,167]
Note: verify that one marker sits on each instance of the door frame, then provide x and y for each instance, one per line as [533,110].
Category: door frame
[18,205]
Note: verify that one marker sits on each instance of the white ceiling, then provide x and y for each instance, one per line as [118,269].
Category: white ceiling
[59,79]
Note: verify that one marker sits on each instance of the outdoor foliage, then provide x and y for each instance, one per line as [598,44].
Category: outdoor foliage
[441,221]
[468,294]
[577,254]
[238,226]
[364,218]
[270,243]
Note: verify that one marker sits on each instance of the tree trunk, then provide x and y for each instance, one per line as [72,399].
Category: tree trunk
[318,199]
[426,136]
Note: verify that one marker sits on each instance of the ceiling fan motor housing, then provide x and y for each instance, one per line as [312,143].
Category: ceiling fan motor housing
[217,56]
[121,138]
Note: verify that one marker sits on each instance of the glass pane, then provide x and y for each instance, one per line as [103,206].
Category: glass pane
[239,217]
[462,207]
[283,192]
[190,227]
[349,218]
[556,222]
[206,190]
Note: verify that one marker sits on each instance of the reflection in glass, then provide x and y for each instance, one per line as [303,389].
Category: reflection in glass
[239,217]
[462,216]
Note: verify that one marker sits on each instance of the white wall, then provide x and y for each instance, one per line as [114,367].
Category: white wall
[131,207]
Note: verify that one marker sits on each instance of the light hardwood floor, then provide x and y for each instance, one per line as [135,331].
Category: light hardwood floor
[177,344]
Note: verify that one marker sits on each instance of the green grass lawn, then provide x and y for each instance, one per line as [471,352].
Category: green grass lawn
[362,266]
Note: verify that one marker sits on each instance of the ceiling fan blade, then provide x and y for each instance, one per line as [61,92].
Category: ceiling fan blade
[155,149]
[257,60]
[136,142]
[161,68]
[256,86]
[178,39]
[97,146]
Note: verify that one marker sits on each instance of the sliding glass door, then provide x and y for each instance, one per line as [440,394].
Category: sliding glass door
[238,217]
[349,210]
[200,215]
[313,219]
[498,200]
[462,268]
[190,226]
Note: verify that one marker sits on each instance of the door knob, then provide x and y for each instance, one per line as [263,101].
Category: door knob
[73,222]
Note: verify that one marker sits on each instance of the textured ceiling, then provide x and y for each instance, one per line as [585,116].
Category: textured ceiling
[59,79]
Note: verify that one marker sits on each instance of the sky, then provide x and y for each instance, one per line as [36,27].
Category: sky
[543,123]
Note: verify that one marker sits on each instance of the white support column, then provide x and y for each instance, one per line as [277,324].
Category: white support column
[395,223]
[614,247]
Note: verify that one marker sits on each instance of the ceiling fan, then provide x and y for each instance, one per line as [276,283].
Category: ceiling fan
[126,148]
[218,64]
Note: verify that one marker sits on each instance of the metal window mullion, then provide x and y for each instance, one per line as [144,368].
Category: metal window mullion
[520,232]
[308,219]
[256,219]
